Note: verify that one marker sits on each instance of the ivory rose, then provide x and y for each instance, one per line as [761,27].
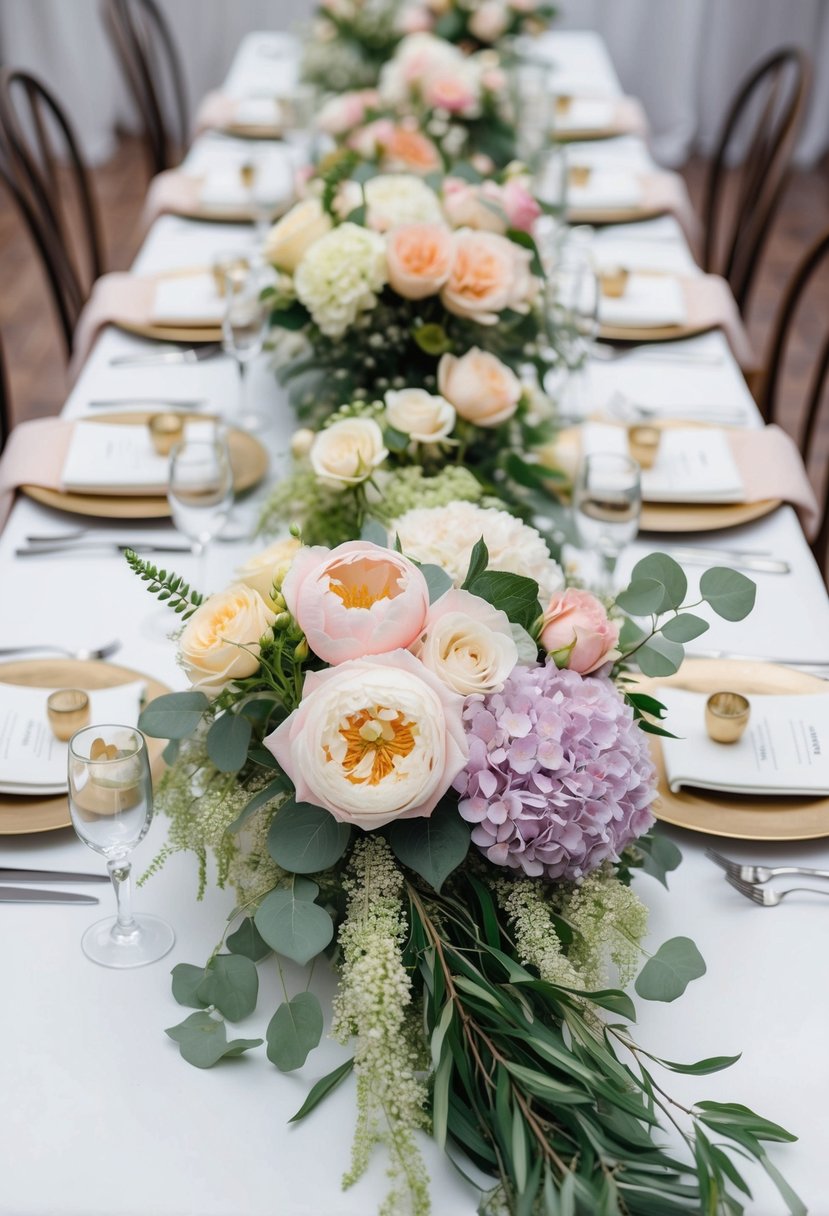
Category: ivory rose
[489,274]
[576,632]
[374,740]
[482,389]
[220,642]
[292,236]
[419,259]
[355,600]
[267,569]
[347,452]
[425,417]
[467,643]
[489,20]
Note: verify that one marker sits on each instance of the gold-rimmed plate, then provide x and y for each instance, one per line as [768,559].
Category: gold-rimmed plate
[658,333]
[20,815]
[248,459]
[737,816]
[188,334]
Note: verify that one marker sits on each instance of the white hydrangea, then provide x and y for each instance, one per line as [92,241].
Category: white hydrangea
[445,536]
[340,276]
[400,198]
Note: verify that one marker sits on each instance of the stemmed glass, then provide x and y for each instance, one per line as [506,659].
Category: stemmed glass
[200,491]
[244,325]
[111,804]
[607,504]
[572,316]
[531,107]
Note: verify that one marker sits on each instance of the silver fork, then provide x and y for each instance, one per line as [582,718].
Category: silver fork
[764,896]
[752,873]
[102,652]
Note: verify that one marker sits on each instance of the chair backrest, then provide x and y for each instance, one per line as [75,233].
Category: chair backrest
[146,49]
[52,187]
[5,403]
[766,113]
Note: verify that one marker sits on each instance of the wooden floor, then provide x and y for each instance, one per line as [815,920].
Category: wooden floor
[33,345]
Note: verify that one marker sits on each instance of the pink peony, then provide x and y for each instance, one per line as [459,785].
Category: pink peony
[576,632]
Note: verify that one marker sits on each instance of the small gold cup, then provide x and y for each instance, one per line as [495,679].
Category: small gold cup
[563,103]
[643,444]
[229,268]
[614,282]
[68,712]
[579,175]
[166,430]
[726,716]
[247,174]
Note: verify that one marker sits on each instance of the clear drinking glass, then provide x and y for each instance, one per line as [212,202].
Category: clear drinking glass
[111,804]
[531,108]
[572,318]
[607,503]
[200,491]
[244,327]
[298,110]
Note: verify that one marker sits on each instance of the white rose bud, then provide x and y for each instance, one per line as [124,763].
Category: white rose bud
[467,643]
[347,452]
[425,417]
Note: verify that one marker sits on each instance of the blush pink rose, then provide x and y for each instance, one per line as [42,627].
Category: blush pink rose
[482,389]
[347,111]
[356,600]
[371,139]
[416,21]
[521,208]
[451,92]
[577,633]
[419,259]
[490,274]
[468,206]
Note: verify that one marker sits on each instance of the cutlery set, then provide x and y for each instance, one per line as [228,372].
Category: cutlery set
[750,879]
[194,354]
[36,895]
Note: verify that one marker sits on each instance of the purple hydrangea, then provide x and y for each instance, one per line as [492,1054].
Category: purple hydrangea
[559,777]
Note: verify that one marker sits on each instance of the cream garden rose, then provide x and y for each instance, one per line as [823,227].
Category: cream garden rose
[425,417]
[220,642]
[291,238]
[467,643]
[373,740]
[267,569]
[347,452]
[482,389]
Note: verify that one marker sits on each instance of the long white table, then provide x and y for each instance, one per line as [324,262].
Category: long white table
[101,1117]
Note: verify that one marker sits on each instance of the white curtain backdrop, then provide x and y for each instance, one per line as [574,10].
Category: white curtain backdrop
[684,58]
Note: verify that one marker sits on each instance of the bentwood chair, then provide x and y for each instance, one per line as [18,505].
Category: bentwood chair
[47,177]
[5,403]
[766,113]
[145,47]
[810,276]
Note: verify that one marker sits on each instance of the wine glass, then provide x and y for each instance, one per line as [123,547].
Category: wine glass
[200,491]
[111,804]
[299,108]
[607,503]
[572,318]
[244,324]
[529,87]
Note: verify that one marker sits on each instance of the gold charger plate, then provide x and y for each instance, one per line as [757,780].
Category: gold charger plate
[241,130]
[586,134]
[174,333]
[740,817]
[654,333]
[21,815]
[247,457]
[619,215]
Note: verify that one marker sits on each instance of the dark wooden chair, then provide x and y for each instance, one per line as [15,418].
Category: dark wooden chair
[813,271]
[767,111]
[5,403]
[145,47]
[46,175]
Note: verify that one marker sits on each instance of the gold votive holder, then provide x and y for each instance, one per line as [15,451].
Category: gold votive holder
[166,430]
[579,175]
[229,270]
[643,444]
[726,716]
[614,281]
[247,174]
[68,712]
[563,103]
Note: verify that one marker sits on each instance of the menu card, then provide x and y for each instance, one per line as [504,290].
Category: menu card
[32,760]
[785,748]
[693,464]
[119,458]
[190,299]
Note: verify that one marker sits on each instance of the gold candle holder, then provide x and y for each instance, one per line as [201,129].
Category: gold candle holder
[579,175]
[614,282]
[726,716]
[563,103]
[229,269]
[68,712]
[643,444]
[247,173]
[166,430]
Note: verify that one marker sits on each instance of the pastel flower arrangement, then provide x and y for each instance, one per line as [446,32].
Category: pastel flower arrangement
[477,23]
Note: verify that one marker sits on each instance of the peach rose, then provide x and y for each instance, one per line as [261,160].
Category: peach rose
[575,631]
[453,92]
[489,274]
[412,151]
[356,600]
[419,259]
[482,389]
[220,642]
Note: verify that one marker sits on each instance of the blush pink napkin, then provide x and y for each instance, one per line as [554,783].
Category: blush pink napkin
[215,112]
[630,117]
[710,304]
[171,191]
[771,467]
[115,297]
[34,455]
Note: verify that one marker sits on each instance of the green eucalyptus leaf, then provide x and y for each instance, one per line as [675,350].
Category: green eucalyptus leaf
[305,839]
[186,979]
[659,856]
[227,742]
[659,657]
[666,976]
[322,1089]
[642,597]
[292,924]
[247,940]
[437,580]
[432,847]
[171,751]
[728,592]
[294,1030]
[630,635]
[175,715]
[478,562]
[202,1040]
[231,984]
[375,532]
[684,628]
[663,569]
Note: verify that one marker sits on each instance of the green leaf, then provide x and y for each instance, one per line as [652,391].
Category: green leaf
[372,530]
[171,751]
[231,984]
[432,847]
[437,580]
[396,441]
[630,635]
[514,594]
[702,1068]
[186,979]
[247,940]
[292,924]
[202,1040]
[790,1197]
[663,569]
[175,715]
[478,562]
[279,785]
[293,1031]
[322,1089]
[227,742]
[305,839]
[659,856]
[440,1099]
[293,318]
[659,657]
[666,976]
[432,339]
[728,592]
[684,628]
[642,597]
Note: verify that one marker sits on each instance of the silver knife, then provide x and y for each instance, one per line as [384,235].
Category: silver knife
[193,355]
[745,561]
[167,402]
[106,545]
[32,895]
[7,874]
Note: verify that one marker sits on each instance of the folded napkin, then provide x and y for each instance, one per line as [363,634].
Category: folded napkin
[34,455]
[115,298]
[610,190]
[694,465]
[622,116]
[191,300]
[710,305]
[650,302]
[606,189]
[220,112]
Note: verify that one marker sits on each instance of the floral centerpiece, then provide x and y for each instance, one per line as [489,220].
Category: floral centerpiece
[427,769]
[476,24]
[350,41]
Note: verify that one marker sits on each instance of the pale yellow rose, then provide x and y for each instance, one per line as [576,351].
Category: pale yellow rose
[220,642]
[267,569]
[347,452]
[291,238]
[482,389]
[425,417]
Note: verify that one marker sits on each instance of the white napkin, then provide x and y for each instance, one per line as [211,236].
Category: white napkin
[650,302]
[605,190]
[585,114]
[645,255]
[256,112]
[693,465]
[32,760]
[115,458]
[222,190]
[187,300]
